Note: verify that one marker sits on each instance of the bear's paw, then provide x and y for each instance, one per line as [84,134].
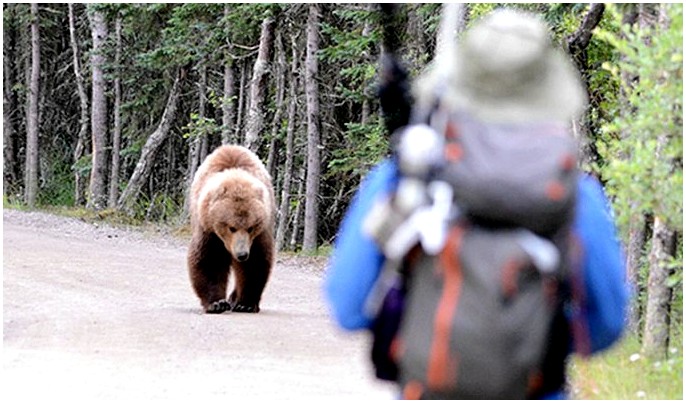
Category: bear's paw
[219,306]
[239,307]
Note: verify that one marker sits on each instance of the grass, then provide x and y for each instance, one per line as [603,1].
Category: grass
[13,202]
[108,216]
[321,251]
[623,372]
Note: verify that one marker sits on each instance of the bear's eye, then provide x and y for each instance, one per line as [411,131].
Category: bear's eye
[250,229]
[232,229]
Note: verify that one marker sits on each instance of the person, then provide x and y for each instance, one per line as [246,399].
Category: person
[504,70]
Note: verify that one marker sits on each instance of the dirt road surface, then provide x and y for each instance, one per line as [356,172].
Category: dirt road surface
[98,313]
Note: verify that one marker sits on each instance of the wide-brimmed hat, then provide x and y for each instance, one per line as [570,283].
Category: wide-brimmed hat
[505,69]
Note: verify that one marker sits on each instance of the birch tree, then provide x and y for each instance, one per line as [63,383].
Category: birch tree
[116,132]
[97,193]
[279,76]
[197,150]
[577,44]
[656,334]
[287,177]
[82,137]
[32,124]
[229,89]
[258,85]
[313,161]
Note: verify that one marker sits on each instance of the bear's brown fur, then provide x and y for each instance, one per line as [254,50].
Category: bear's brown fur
[232,221]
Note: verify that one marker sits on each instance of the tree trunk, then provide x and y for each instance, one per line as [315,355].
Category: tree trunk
[577,44]
[116,134]
[229,92]
[32,123]
[258,86]
[295,229]
[648,15]
[150,149]
[366,31]
[664,241]
[193,156]
[416,32]
[634,252]
[284,206]
[202,112]
[228,104]
[656,331]
[241,105]
[97,196]
[638,223]
[197,150]
[8,106]
[82,138]
[313,161]
[278,113]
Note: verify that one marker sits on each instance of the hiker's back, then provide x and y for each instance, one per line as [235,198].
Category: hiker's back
[475,279]
[480,308]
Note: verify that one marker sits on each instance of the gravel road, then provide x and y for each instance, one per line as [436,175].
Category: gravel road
[94,312]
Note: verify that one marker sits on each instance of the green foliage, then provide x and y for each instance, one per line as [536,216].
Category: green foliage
[369,144]
[188,35]
[57,183]
[676,283]
[133,150]
[83,165]
[158,208]
[201,127]
[351,50]
[161,208]
[356,59]
[194,32]
[477,10]
[242,24]
[347,39]
[643,145]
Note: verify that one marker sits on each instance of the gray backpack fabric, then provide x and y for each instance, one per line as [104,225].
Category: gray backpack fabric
[478,314]
[523,175]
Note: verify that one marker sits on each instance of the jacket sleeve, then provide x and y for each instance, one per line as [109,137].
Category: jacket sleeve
[356,260]
[602,302]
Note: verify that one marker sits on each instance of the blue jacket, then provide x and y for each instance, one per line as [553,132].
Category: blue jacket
[599,311]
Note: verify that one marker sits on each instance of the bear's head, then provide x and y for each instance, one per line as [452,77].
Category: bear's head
[234,205]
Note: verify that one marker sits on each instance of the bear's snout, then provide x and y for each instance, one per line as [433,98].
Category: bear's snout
[240,247]
[242,257]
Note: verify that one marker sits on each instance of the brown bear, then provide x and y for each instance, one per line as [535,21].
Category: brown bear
[232,221]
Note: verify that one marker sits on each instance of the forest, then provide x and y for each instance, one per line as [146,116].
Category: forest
[112,107]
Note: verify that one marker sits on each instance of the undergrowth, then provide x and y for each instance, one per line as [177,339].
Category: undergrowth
[624,373]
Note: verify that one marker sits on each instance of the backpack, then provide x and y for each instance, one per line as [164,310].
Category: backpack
[479,249]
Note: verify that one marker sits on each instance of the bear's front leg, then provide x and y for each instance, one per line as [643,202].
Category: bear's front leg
[208,266]
[245,297]
[252,275]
